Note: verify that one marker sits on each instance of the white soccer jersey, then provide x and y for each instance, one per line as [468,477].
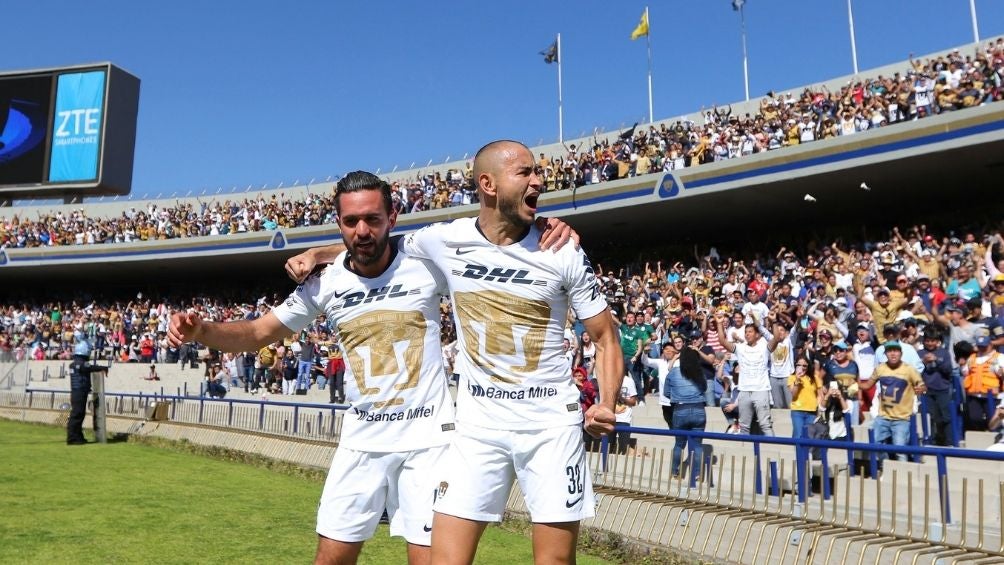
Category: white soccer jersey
[389,336]
[510,304]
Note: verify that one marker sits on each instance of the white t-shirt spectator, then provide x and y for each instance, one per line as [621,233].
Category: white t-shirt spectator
[845,280]
[807,131]
[622,412]
[662,368]
[755,313]
[864,356]
[736,335]
[753,366]
[728,288]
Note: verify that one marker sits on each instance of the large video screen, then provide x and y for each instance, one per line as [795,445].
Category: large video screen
[76,127]
[24,121]
[67,132]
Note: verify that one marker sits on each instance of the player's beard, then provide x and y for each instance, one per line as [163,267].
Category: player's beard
[368,257]
[509,208]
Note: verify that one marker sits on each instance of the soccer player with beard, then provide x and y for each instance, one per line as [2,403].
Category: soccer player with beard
[385,307]
[518,415]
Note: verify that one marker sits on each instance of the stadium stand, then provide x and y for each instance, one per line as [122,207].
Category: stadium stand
[922,88]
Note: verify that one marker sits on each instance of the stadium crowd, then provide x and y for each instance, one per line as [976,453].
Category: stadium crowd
[926,88]
[831,313]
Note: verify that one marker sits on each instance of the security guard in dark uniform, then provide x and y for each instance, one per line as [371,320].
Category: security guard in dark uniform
[80,388]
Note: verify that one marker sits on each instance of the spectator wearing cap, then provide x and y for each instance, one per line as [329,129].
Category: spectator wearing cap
[930,296]
[844,374]
[937,375]
[909,353]
[899,384]
[902,290]
[883,308]
[822,350]
[991,324]
[982,373]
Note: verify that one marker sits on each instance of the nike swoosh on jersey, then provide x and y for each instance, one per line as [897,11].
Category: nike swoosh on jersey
[571,503]
[426,528]
[461,251]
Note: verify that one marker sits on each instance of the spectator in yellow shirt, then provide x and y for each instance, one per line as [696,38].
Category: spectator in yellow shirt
[804,387]
[899,383]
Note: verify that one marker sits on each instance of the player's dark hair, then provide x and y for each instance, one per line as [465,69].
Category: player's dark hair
[362,180]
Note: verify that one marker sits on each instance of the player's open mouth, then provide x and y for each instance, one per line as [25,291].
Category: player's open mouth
[531,200]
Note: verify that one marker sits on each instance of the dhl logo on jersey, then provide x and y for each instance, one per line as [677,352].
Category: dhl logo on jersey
[497,274]
[348,300]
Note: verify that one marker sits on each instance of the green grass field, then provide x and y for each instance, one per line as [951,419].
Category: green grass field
[134,503]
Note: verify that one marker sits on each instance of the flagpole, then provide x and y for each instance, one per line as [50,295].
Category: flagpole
[976,27]
[561,119]
[746,72]
[854,48]
[648,41]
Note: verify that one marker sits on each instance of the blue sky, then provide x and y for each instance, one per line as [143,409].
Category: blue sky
[252,92]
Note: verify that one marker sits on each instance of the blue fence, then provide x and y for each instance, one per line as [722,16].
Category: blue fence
[317,416]
[851,450]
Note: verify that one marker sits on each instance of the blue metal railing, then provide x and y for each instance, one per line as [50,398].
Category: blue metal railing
[802,457]
[203,402]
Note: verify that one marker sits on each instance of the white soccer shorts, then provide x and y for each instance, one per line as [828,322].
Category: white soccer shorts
[360,485]
[550,465]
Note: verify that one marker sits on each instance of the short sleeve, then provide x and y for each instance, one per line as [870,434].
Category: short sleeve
[300,307]
[628,388]
[584,293]
[422,243]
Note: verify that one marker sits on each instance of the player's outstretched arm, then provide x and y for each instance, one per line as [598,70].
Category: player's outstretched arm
[243,335]
[609,370]
[299,266]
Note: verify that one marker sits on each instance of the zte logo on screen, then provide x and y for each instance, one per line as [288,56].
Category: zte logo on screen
[80,122]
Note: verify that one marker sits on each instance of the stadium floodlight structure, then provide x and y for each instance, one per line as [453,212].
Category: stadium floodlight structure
[67,132]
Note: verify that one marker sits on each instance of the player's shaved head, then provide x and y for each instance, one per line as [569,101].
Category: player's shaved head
[490,157]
